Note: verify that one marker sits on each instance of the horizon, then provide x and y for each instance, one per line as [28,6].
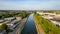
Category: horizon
[29,4]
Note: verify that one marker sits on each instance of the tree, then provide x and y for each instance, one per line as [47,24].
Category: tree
[3,26]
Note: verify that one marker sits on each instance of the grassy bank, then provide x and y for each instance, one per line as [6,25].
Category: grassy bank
[47,26]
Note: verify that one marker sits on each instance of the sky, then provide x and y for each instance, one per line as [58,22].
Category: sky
[29,4]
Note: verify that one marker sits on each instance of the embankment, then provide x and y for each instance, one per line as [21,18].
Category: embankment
[23,22]
[38,26]
[45,26]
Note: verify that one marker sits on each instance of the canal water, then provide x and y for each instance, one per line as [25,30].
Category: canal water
[29,27]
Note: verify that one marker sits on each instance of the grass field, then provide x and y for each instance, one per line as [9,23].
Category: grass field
[47,26]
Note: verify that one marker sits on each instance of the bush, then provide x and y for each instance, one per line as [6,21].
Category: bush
[3,26]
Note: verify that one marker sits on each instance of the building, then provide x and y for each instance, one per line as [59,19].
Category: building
[10,18]
[2,20]
[18,18]
[56,18]
[12,24]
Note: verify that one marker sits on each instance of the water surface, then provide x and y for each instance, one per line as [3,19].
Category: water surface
[30,27]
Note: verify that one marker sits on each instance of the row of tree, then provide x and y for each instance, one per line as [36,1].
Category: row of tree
[13,14]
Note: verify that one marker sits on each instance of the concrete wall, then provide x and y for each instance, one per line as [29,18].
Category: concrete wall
[22,26]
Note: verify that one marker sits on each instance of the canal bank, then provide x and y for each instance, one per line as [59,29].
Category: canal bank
[29,27]
[19,26]
[38,26]
[23,22]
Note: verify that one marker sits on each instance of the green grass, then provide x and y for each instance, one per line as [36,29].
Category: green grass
[48,27]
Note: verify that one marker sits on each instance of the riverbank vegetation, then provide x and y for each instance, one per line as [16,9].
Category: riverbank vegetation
[47,26]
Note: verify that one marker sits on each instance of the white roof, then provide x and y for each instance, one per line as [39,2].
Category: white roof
[9,18]
[1,20]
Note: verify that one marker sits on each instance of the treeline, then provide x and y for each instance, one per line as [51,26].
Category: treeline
[48,27]
[13,14]
[23,14]
[51,11]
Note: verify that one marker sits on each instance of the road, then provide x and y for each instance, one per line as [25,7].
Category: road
[19,26]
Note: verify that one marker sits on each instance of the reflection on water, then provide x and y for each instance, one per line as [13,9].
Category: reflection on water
[30,27]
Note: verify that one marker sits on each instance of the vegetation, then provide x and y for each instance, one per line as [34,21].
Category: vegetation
[48,27]
[51,11]
[13,14]
[23,14]
[9,30]
[3,26]
[6,14]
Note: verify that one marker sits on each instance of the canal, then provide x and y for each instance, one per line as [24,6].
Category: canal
[29,27]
